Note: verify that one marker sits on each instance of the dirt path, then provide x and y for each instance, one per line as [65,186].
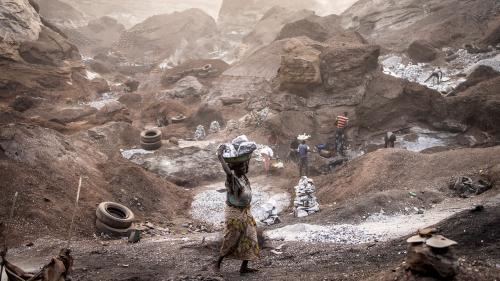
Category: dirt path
[378,227]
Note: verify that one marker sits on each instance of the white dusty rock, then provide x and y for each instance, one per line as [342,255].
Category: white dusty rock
[200,134]
[129,153]
[305,202]
[214,127]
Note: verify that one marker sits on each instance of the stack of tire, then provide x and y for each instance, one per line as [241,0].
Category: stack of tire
[151,139]
[114,219]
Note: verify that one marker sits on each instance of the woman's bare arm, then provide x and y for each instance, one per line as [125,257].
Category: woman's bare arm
[220,151]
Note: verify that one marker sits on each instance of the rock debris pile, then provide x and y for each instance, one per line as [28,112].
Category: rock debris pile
[238,147]
[460,64]
[267,213]
[200,134]
[305,202]
[214,127]
[341,234]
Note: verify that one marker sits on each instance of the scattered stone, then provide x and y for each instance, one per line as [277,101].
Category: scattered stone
[305,202]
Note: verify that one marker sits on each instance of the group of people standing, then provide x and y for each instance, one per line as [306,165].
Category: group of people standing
[302,150]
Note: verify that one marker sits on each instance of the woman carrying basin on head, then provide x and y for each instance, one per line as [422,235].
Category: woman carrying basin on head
[240,236]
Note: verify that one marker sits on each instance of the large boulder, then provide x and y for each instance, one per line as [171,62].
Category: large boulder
[346,66]
[60,13]
[422,51]
[170,38]
[300,64]
[493,35]
[50,49]
[478,106]
[35,57]
[186,167]
[269,27]
[100,85]
[188,86]
[393,103]
[98,35]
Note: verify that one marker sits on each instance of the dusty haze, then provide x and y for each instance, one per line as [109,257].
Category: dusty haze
[132,12]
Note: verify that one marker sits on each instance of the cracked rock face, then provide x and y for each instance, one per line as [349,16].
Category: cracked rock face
[344,67]
[19,21]
[300,64]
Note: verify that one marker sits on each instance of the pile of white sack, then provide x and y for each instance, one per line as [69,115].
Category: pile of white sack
[305,202]
[238,147]
[200,134]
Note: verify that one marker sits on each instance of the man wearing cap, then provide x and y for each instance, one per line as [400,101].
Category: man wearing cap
[341,123]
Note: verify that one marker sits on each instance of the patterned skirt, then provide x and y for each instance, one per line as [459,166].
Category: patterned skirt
[240,236]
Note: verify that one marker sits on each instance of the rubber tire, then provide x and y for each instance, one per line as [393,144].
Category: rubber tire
[151,146]
[108,219]
[102,228]
[145,138]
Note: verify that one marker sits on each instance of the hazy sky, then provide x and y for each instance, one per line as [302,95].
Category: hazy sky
[145,8]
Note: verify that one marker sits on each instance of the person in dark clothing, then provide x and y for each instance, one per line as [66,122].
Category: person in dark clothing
[303,151]
[240,235]
[437,74]
[389,139]
[293,155]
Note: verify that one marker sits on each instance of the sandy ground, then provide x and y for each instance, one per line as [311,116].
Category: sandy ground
[190,257]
